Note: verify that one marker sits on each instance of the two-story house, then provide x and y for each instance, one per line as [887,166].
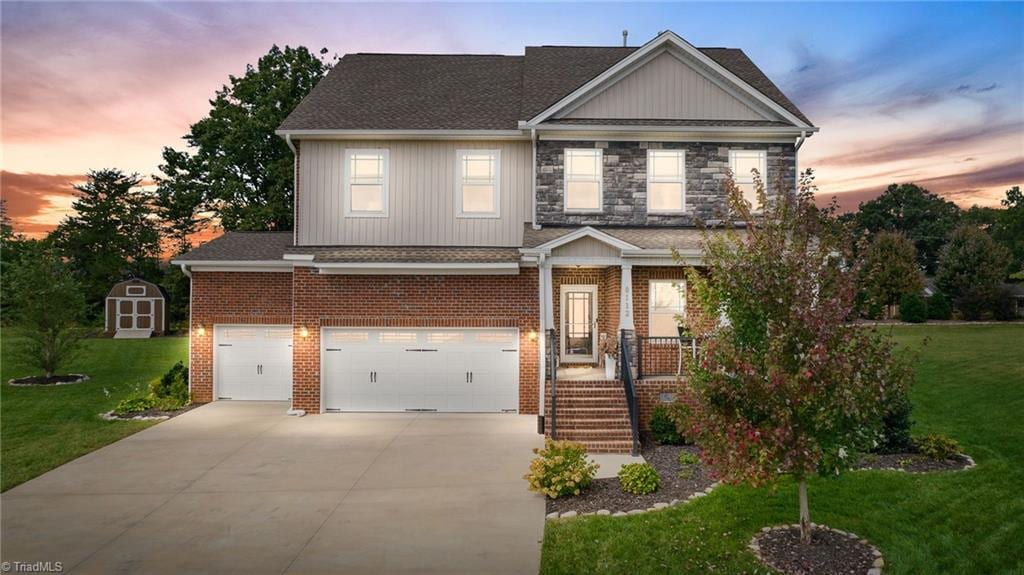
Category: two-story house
[471,228]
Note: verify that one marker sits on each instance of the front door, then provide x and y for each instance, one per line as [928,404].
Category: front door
[579,323]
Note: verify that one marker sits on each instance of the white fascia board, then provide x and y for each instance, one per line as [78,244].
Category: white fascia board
[299,257]
[581,233]
[406,134]
[663,257]
[582,261]
[382,268]
[233,265]
[682,130]
[667,38]
[287,268]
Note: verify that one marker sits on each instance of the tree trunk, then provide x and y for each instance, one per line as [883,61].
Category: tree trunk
[805,515]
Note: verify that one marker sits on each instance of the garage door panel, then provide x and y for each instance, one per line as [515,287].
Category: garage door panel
[253,362]
[430,369]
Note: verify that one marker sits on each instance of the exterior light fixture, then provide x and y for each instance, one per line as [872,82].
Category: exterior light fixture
[201,331]
[532,335]
[303,332]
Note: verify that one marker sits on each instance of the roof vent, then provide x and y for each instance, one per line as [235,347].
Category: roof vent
[625,36]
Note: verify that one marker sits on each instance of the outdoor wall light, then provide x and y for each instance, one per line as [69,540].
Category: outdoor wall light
[201,331]
[532,335]
[303,332]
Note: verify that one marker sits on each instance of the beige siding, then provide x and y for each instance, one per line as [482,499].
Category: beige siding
[667,88]
[587,247]
[421,180]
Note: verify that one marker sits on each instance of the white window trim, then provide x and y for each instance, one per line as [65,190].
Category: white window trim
[347,193]
[135,312]
[600,181]
[459,183]
[651,179]
[748,178]
[680,283]
[128,291]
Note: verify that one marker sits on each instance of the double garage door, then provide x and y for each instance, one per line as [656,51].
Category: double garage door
[420,369]
[473,370]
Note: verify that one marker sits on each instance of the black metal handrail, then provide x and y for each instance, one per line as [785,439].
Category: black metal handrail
[679,342]
[553,374]
[626,370]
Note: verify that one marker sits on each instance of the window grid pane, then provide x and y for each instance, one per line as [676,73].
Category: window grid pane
[478,182]
[666,180]
[583,173]
[366,185]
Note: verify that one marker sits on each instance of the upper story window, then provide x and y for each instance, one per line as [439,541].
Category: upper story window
[666,181]
[666,301]
[477,188]
[583,180]
[741,162]
[366,183]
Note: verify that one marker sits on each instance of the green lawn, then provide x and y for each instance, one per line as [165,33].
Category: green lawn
[970,385]
[43,427]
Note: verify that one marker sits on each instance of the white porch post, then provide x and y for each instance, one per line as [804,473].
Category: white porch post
[546,322]
[626,298]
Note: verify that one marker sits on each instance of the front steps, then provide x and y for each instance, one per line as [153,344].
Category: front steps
[593,413]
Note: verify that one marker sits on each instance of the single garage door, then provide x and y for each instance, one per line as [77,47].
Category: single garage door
[474,370]
[253,362]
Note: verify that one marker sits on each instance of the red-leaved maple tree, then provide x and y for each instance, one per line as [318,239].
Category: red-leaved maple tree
[785,384]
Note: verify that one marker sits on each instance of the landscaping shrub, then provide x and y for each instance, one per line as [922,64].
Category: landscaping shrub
[913,309]
[135,404]
[936,446]
[561,468]
[1004,308]
[173,385]
[938,307]
[687,458]
[664,428]
[895,433]
[639,478]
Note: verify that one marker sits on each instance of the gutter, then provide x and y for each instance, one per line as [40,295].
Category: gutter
[796,157]
[295,188]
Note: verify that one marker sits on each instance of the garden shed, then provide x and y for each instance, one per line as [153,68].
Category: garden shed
[136,309]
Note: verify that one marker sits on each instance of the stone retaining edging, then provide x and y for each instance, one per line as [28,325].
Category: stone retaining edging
[656,507]
[970,465]
[15,381]
[755,547]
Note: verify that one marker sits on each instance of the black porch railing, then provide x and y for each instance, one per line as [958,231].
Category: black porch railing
[552,359]
[626,371]
[663,356]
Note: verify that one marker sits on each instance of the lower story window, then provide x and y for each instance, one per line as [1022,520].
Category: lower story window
[667,301]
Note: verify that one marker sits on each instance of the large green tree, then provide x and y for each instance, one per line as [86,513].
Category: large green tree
[112,234]
[235,168]
[890,271]
[923,217]
[971,269]
[1008,228]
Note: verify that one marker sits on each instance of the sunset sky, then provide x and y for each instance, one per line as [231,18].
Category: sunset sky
[929,93]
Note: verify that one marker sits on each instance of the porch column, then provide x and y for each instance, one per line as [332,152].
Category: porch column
[626,298]
[546,321]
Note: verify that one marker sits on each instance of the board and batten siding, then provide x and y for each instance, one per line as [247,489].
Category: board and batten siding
[421,182]
[665,87]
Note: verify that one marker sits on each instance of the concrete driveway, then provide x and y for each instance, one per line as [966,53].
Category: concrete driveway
[242,488]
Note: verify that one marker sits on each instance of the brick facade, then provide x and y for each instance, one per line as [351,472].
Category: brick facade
[231,298]
[625,181]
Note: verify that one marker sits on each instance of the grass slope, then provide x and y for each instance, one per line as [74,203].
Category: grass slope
[43,427]
[970,385]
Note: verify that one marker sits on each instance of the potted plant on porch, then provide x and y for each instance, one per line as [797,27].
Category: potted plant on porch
[609,348]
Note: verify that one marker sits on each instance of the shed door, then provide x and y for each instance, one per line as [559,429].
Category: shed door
[253,362]
[135,314]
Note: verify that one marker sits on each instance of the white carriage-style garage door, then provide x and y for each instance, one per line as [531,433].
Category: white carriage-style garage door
[253,362]
[394,369]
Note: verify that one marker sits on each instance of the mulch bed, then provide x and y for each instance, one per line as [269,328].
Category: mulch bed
[830,552]
[52,380]
[915,462]
[149,414]
[607,494]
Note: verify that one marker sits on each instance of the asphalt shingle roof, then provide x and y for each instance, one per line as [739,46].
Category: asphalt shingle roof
[408,254]
[644,238]
[472,92]
[241,246]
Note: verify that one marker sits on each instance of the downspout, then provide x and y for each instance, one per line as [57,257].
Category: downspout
[295,188]
[533,141]
[796,156]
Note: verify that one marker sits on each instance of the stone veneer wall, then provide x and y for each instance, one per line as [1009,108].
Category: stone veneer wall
[625,181]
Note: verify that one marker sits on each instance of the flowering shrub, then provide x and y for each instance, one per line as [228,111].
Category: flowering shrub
[936,446]
[561,468]
[639,478]
[784,383]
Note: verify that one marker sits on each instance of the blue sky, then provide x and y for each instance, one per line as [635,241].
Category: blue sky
[925,92]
